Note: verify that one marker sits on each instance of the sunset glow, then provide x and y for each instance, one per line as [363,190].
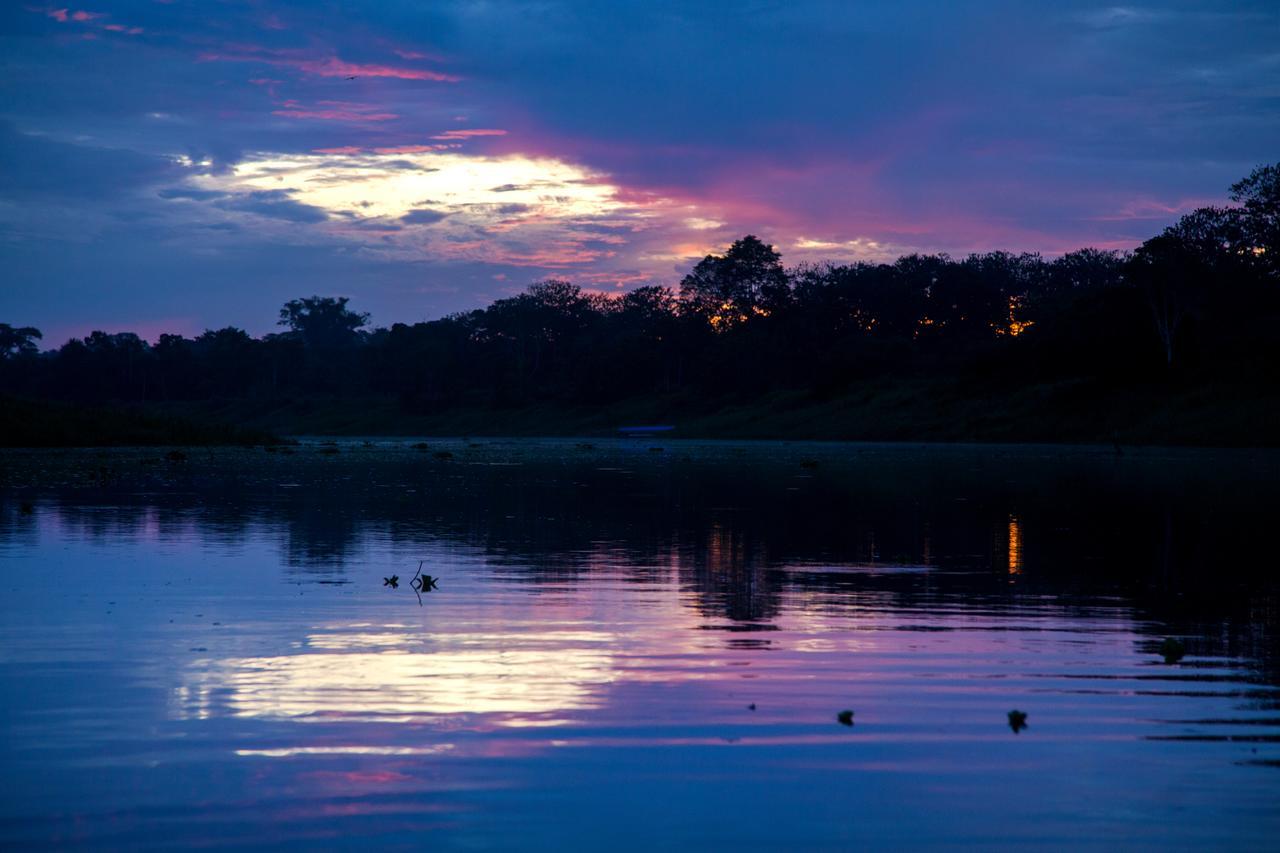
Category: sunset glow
[320,130]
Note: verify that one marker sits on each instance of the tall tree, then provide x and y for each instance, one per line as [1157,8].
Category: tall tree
[17,342]
[323,322]
[1259,196]
[745,282]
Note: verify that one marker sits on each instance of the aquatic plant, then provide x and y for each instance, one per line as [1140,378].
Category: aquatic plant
[1017,720]
[1173,650]
[422,583]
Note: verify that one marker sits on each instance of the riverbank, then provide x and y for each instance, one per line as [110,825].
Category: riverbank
[42,423]
[899,410]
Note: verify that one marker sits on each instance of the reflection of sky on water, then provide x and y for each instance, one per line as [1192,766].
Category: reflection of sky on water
[666,658]
[321,683]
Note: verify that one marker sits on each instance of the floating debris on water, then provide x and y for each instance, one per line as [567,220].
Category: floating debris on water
[1017,721]
[1173,650]
[845,717]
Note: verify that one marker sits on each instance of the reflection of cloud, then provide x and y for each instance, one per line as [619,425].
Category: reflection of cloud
[373,674]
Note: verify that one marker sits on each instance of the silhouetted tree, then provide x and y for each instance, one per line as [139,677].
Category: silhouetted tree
[18,342]
[1179,270]
[746,281]
[1259,195]
[231,361]
[1203,297]
[323,322]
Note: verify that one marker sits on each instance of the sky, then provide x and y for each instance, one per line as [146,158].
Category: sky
[177,165]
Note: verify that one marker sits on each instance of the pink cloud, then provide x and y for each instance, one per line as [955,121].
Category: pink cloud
[341,149]
[335,115]
[330,66]
[334,111]
[1145,208]
[468,133]
[416,54]
[121,28]
[64,15]
[412,149]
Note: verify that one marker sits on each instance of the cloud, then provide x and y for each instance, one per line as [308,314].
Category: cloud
[336,112]
[422,216]
[38,166]
[326,66]
[469,133]
[190,194]
[817,125]
[274,204]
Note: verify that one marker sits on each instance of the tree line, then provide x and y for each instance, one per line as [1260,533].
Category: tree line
[1197,302]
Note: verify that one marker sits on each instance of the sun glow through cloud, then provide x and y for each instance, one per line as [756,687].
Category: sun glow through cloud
[421,201]
[370,186]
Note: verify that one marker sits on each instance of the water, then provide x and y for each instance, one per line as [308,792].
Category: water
[635,648]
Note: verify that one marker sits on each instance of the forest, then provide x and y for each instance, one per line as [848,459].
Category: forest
[1172,342]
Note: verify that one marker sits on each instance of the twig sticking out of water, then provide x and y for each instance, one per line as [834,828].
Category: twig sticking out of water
[422,583]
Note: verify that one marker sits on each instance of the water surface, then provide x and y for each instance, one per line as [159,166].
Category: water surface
[639,643]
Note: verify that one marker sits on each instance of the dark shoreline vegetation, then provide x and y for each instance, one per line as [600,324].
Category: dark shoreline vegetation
[1174,343]
[45,423]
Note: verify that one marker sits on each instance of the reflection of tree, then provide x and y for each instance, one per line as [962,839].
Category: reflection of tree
[1175,538]
[321,538]
[730,576]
